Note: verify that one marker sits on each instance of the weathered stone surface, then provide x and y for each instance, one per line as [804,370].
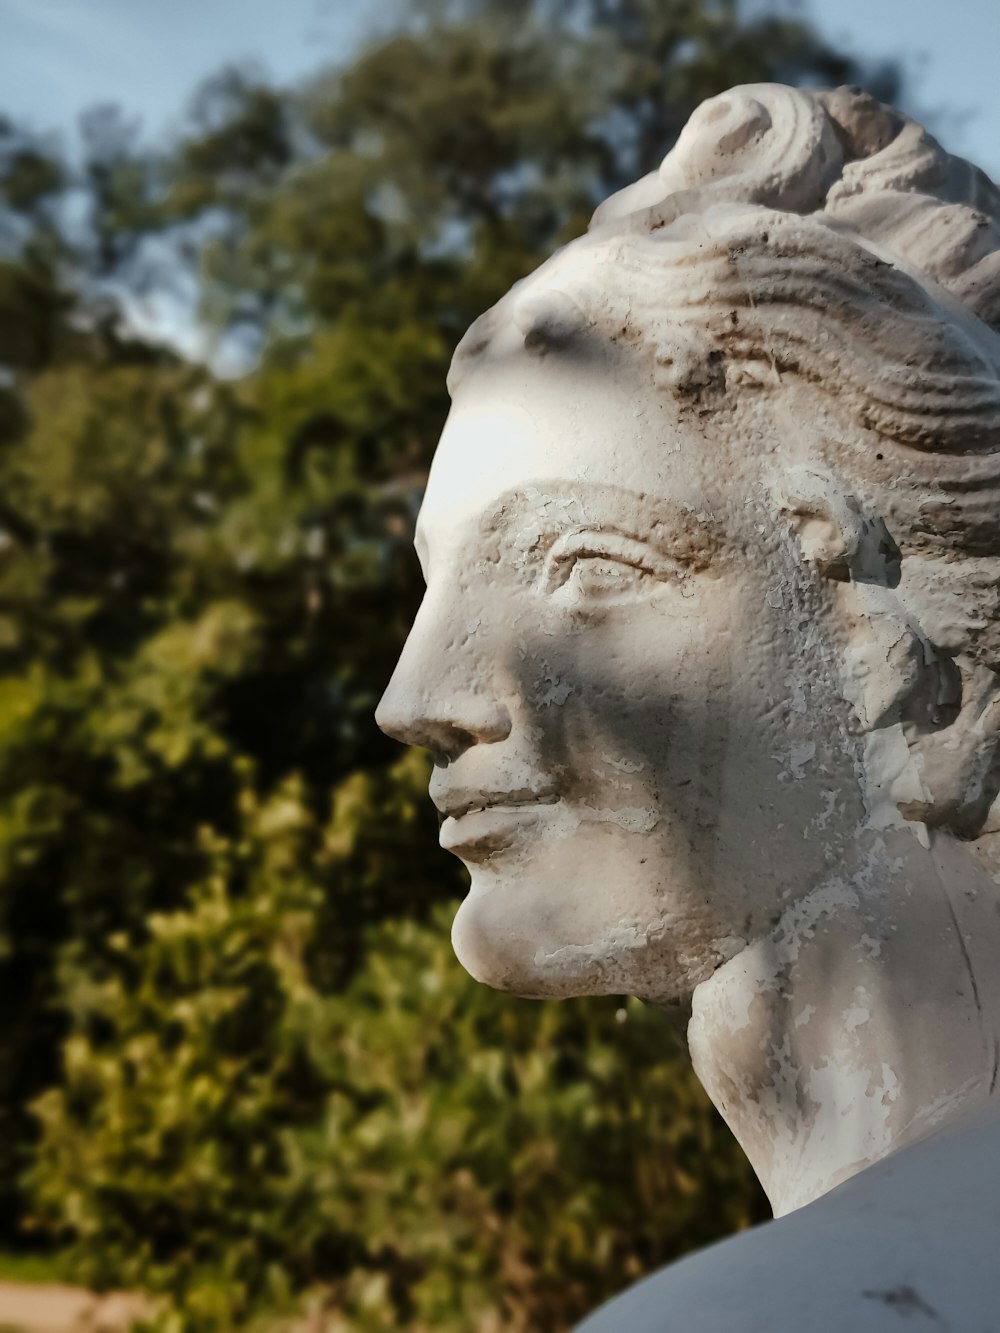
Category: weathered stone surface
[708,663]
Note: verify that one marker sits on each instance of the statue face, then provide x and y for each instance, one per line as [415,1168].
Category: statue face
[623,670]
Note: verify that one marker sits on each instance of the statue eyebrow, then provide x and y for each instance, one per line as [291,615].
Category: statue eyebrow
[555,507]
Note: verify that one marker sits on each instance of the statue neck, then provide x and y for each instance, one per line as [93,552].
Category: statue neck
[868,1017]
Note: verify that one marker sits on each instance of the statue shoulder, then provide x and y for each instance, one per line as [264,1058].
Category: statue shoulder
[914,1238]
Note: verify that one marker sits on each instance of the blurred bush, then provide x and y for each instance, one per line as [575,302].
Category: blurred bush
[238,1063]
[414,1152]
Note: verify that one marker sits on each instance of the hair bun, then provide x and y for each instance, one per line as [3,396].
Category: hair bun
[839,154]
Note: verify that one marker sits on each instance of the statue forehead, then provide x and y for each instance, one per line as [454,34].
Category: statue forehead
[556,423]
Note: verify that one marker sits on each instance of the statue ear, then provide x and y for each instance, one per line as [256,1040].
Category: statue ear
[836,536]
[944,704]
[884,655]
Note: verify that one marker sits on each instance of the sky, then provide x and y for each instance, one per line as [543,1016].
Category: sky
[59,56]
[950,52]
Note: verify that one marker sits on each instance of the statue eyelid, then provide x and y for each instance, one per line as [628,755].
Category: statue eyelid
[600,544]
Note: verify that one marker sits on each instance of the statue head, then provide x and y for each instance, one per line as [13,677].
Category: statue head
[712,552]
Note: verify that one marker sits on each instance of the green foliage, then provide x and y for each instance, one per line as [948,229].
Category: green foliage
[258,1075]
[413,1152]
[32,1268]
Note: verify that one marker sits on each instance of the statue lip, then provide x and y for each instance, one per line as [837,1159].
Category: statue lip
[481,830]
[457,802]
[477,824]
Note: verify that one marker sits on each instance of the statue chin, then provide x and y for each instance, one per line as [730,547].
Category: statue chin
[494,951]
[709,664]
[530,938]
[522,952]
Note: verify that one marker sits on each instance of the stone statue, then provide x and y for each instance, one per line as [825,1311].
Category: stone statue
[708,664]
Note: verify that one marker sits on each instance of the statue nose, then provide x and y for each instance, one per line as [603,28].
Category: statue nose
[441,697]
[447,726]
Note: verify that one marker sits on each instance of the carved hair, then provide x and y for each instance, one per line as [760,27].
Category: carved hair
[826,237]
[821,233]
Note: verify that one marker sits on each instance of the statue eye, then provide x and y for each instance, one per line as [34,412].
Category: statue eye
[605,567]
